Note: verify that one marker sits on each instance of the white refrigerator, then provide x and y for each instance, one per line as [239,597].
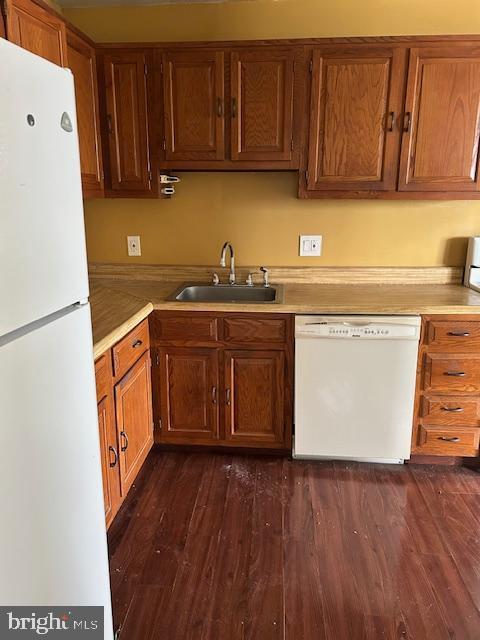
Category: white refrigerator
[52,531]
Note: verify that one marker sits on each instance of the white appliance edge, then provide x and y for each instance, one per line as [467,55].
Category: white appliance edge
[53,536]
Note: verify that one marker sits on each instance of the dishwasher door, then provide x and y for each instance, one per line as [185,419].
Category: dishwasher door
[355,387]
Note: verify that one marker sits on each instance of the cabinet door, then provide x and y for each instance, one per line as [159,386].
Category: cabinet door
[81,60]
[109,458]
[37,30]
[188,381]
[127,124]
[442,120]
[194,105]
[255,397]
[356,102]
[262,104]
[133,405]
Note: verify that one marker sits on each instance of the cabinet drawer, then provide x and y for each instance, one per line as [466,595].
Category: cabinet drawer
[450,410]
[448,442]
[251,330]
[130,348]
[189,327]
[456,374]
[103,375]
[456,336]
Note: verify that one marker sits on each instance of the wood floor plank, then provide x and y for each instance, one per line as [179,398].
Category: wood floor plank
[227,610]
[229,547]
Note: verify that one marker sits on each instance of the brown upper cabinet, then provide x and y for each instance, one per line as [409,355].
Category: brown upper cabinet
[128,168]
[262,105]
[356,103]
[81,61]
[229,109]
[194,105]
[34,28]
[441,128]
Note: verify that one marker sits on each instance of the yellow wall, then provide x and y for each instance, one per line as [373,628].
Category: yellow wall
[259,212]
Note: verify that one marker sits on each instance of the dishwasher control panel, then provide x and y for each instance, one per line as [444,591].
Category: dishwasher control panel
[357,327]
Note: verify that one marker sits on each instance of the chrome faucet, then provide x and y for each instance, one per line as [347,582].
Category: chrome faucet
[231,277]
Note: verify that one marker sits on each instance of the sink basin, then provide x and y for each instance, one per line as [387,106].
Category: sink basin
[226,293]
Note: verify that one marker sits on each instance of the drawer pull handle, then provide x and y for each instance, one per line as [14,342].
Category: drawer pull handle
[391,118]
[459,334]
[453,409]
[447,439]
[228,398]
[125,437]
[455,374]
[214,395]
[137,343]
[115,456]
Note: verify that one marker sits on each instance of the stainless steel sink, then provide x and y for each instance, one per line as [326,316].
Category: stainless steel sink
[227,293]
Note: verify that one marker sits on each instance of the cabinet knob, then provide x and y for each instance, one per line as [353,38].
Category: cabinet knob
[459,334]
[137,343]
[228,397]
[453,409]
[407,121]
[456,374]
[391,121]
[447,439]
[214,395]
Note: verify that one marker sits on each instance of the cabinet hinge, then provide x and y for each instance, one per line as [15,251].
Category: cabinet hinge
[164,144]
[161,68]
[157,359]
[291,144]
[310,66]
[145,68]
[159,423]
[150,177]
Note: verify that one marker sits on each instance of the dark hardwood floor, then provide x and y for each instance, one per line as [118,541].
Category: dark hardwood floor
[228,547]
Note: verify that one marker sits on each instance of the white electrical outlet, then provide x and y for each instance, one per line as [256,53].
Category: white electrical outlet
[310,246]
[134,247]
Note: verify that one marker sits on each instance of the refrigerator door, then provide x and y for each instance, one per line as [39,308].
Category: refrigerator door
[52,537]
[42,237]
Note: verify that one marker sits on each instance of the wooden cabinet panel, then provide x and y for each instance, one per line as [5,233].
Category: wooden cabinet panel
[451,373]
[127,123]
[130,348]
[448,442]
[133,408]
[440,148]
[450,411]
[36,30]
[356,101]
[446,335]
[81,60]
[255,330]
[108,438]
[254,397]
[194,105]
[188,384]
[262,105]
[185,327]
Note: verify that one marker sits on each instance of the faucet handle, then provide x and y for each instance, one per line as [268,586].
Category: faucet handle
[215,279]
[264,270]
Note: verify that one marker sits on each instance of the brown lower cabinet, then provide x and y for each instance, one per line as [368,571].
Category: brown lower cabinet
[124,401]
[223,379]
[447,407]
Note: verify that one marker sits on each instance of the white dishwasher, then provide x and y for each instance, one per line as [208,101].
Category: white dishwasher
[355,387]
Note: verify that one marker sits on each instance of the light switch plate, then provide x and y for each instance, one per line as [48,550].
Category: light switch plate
[310,246]
[134,247]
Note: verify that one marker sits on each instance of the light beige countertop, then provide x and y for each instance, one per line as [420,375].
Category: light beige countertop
[118,304]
